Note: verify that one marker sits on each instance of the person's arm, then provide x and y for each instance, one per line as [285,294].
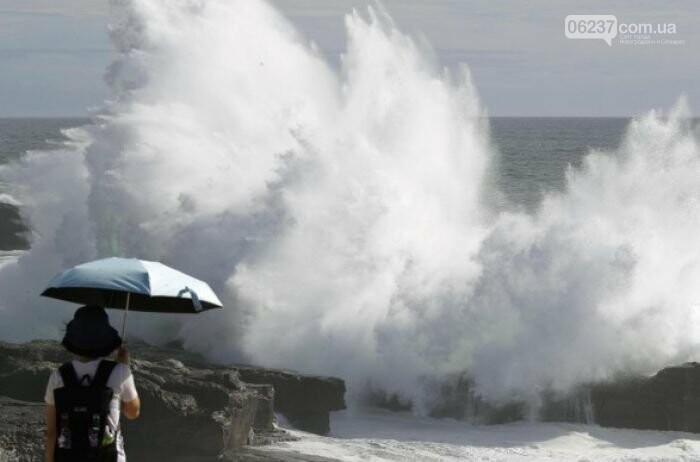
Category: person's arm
[131,408]
[50,445]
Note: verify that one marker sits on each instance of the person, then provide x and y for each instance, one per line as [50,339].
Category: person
[90,338]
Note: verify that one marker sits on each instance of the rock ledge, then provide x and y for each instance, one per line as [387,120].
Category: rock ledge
[192,410]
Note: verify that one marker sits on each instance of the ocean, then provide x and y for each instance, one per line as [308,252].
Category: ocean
[534,152]
[17,136]
[533,155]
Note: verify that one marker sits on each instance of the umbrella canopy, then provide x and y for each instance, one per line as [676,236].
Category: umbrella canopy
[138,285]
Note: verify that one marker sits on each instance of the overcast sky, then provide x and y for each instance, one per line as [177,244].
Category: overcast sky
[53,52]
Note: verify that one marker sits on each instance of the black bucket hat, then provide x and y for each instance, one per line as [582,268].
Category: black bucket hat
[89,333]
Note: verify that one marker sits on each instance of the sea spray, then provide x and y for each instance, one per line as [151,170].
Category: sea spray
[51,187]
[385,226]
[599,279]
[343,215]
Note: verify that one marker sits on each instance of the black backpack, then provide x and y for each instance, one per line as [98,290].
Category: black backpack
[82,433]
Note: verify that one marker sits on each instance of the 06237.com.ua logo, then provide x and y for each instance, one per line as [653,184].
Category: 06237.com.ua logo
[606,27]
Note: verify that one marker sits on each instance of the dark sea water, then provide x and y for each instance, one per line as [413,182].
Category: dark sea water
[17,136]
[533,156]
[535,152]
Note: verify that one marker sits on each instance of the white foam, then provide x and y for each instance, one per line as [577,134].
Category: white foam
[9,200]
[384,436]
[340,216]
[10,255]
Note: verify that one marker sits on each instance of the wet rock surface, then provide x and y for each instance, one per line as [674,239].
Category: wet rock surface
[305,401]
[14,234]
[670,400]
[291,396]
[667,401]
[191,410]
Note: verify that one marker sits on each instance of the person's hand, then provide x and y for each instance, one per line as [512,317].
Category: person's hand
[123,355]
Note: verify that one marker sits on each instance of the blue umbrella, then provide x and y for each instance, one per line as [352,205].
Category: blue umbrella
[131,284]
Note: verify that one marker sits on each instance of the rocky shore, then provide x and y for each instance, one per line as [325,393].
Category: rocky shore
[666,401]
[193,411]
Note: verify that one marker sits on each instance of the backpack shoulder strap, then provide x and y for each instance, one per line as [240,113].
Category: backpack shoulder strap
[104,370]
[68,375]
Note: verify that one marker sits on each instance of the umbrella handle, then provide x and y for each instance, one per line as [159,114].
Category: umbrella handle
[196,303]
[126,312]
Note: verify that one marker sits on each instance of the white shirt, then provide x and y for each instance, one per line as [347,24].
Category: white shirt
[121,381]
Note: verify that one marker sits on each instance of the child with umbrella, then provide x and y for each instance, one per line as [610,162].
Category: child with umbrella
[85,397]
